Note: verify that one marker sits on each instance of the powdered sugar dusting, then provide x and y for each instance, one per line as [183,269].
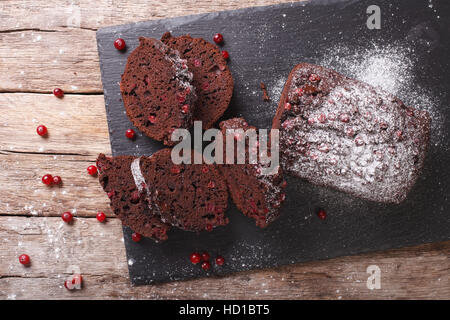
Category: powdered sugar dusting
[391,68]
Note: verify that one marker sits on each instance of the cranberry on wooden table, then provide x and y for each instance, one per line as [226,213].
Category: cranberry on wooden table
[101,216]
[59,93]
[24,259]
[57,180]
[92,170]
[205,256]
[41,130]
[67,217]
[47,179]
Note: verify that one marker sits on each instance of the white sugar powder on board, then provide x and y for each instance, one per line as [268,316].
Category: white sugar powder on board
[391,68]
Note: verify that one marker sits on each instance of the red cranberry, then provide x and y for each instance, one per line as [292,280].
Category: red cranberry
[24,259]
[58,93]
[57,180]
[47,179]
[322,118]
[195,257]
[130,134]
[206,265]
[152,119]
[101,216]
[92,170]
[322,214]
[211,184]
[220,260]
[205,256]
[287,106]
[225,54]
[111,194]
[41,130]
[175,170]
[67,217]
[119,44]
[185,108]
[218,38]
[314,77]
[209,227]
[77,279]
[136,237]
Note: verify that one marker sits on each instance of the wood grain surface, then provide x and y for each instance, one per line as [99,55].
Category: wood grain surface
[41,48]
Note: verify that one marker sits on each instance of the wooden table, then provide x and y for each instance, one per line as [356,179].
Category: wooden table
[48,44]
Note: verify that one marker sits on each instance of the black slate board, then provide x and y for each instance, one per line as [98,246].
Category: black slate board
[264,44]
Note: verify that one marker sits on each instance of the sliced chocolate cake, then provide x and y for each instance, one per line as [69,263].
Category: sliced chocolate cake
[192,197]
[345,134]
[257,194]
[157,90]
[212,77]
[131,198]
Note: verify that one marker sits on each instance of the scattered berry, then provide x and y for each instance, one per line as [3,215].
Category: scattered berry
[218,38]
[111,194]
[67,217]
[41,130]
[92,170]
[130,134]
[206,265]
[24,259]
[195,258]
[322,214]
[225,54]
[101,216]
[205,256]
[220,260]
[58,92]
[57,180]
[77,279]
[68,285]
[47,179]
[136,237]
[119,44]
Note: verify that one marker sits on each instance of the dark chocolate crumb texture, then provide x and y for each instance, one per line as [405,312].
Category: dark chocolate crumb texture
[257,195]
[150,194]
[345,134]
[157,90]
[212,77]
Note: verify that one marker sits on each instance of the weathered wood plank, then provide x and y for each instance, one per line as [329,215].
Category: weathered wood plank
[97,249]
[76,124]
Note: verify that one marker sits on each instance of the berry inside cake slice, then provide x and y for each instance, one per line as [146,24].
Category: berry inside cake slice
[157,90]
[345,134]
[131,198]
[212,77]
[257,194]
[192,197]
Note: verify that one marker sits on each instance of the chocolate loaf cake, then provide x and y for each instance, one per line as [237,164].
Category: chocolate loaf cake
[345,134]
[192,197]
[130,196]
[257,195]
[157,91]
[212,77]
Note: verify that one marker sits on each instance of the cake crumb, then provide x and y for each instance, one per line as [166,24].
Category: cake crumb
[264,90]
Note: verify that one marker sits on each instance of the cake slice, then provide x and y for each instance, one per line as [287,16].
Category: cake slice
[192,197]
[346,134]
[130,197]
[212,77]
[157,90]
[256,194]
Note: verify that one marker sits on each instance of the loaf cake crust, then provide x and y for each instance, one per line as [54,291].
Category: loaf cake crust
[257,195]
[346,134]
[157,90]
[212,77]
